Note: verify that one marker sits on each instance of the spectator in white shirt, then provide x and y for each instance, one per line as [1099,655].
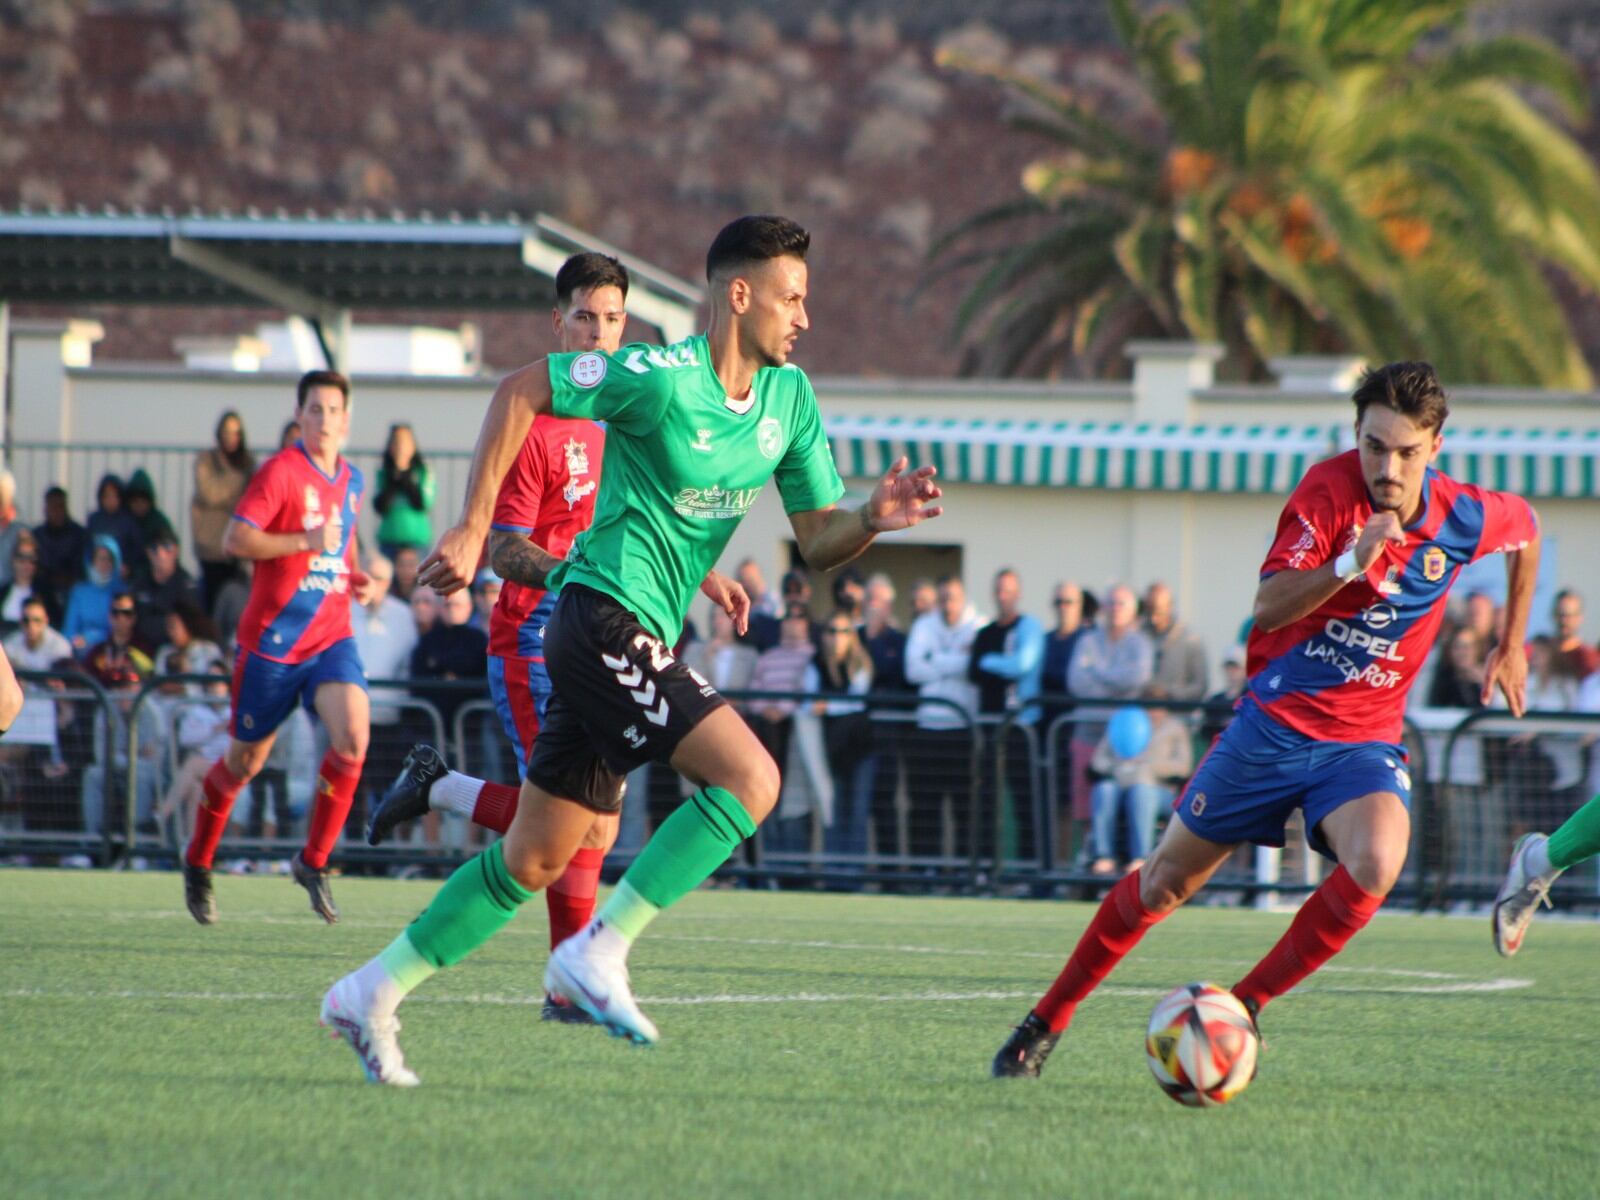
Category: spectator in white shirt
[938,652]
[386,634]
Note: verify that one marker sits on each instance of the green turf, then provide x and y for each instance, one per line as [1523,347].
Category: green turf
[143,1055]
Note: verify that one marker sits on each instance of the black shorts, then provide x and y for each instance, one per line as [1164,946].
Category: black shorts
[619,699]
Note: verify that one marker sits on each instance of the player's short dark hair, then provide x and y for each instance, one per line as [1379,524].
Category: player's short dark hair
[589,270]
[755,239]
[313,379]
[1412,389]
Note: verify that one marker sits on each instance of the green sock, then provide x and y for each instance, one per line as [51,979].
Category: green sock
[693,842]
[473,905]
[404,965]
[1577,839]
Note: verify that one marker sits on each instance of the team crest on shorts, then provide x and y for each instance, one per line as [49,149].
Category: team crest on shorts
[1433,564]
[1198,805]
[587,370]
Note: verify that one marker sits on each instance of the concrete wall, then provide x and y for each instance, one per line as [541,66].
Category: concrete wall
[1207,547]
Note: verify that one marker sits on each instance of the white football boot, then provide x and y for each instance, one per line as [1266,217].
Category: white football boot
[1520,896]
[346,1015]
[597,982]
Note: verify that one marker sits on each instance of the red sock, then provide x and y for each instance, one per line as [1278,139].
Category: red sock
[336,788]
[495,806]
[1333,915]
[220,789]
[1115,930]
[570,899]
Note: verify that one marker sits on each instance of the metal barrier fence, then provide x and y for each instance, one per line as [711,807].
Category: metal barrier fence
[59,737]
[1500,777]
[79,466]
[882,789]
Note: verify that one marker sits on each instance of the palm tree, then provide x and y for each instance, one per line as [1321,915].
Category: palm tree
[1303,176]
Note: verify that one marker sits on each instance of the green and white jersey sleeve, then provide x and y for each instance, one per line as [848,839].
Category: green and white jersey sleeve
[611,388]
[683,464]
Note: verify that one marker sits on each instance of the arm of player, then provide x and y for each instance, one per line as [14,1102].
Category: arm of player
[10,694]
[244,540]
[1286,596]
[521,396]
[728,595]
[831,537]
[1507,667]
[516,558]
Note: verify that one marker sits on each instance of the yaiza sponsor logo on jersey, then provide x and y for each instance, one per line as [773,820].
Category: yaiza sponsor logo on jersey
[714,503]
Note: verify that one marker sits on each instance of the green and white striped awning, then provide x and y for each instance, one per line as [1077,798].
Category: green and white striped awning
[1536,463]
[1262,459]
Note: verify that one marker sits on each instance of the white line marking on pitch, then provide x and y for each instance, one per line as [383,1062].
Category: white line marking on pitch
[1487,985]
[260,918]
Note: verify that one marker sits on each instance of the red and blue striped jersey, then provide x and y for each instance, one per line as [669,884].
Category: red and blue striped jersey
[548,497]
[300,603]
[1341,674]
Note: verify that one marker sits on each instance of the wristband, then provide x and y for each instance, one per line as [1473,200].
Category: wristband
[1345,566]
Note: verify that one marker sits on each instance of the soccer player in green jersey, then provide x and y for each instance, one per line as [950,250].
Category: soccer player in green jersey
[1537,862]
[693,433]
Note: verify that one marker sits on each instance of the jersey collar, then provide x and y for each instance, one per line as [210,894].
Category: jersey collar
[338,463]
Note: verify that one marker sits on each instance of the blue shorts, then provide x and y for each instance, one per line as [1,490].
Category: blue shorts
[521,691]
[265,692]
[1258,772]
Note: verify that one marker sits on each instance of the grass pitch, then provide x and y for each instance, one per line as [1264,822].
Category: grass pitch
[811,1046]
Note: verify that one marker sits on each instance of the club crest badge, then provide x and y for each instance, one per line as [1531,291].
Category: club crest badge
[769,437]
[577,457]
[1433,564]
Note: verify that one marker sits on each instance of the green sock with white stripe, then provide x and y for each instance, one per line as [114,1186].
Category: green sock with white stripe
[692,843]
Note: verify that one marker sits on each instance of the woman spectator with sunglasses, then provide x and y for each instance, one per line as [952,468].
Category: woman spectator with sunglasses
[25,585]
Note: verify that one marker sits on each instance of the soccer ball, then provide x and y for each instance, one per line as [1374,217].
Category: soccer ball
[1201,1045]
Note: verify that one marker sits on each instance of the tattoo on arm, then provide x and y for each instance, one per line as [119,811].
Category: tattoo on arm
[517,560]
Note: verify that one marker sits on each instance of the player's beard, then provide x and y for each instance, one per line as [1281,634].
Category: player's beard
[1394,506]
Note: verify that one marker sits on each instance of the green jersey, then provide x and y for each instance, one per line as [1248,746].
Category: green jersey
[683,464]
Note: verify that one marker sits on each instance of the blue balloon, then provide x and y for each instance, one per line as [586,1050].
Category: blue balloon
[1129,732]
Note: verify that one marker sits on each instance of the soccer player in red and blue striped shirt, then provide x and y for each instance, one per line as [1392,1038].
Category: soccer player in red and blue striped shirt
[297,520]
[1349,605]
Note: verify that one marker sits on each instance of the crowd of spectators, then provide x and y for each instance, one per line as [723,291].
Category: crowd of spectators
[920,736]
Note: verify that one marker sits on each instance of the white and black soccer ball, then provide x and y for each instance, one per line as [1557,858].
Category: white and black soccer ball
[1201,1045]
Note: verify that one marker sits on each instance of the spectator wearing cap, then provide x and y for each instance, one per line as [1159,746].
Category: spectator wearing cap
[485,595]
[112,519]
[1218,711]
[160,585]
[63,544]
[88,619]
[766,632]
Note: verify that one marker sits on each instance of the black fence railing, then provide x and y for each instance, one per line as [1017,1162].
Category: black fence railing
[886,790]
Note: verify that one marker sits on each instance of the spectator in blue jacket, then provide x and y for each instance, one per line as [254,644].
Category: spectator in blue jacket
[1007,662]
[88,619]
